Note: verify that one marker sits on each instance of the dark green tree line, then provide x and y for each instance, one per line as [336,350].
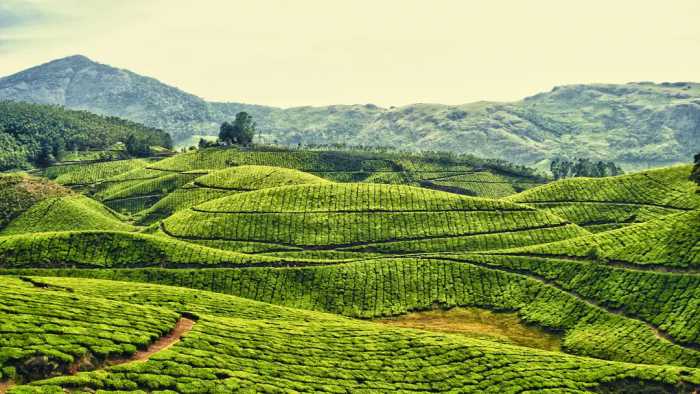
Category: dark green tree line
[564,168]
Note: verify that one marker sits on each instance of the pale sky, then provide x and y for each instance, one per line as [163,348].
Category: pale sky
[386,52]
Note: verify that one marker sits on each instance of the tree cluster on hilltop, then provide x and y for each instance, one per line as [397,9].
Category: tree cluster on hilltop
[240,132]
[695,175]
[580,167]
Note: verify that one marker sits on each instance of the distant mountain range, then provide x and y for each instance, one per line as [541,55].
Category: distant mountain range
[636,124]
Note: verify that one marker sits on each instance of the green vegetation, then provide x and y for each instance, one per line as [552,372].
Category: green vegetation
[670,243]
[47,333]
[223,183]
[138,191]
[240,132]
[604,203]
[391,287]
[66,214]
[363,218]
[241,345]
[563,168]
[311,238]
[90,173]
[41,134]
[18,192]
[695,175]
[114,249]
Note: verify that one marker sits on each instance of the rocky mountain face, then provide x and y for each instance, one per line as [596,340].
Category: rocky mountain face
[636,124]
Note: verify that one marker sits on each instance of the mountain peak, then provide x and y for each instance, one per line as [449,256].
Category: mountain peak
[73,60]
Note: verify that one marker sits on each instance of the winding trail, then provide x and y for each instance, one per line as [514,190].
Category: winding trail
[182,327]
[6,386]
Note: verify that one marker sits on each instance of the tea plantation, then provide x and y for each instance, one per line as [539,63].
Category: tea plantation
[280,260]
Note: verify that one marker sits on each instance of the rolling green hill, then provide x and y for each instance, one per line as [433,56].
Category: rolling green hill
[239,345]
[600,204]
[667,243]
[139,187]
[280,260]
[362,218]
[223,183]
[65,214]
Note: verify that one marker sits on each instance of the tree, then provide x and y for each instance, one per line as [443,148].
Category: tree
[137,147]
[58,148]
[45,157]
[227,133]
[240,132]
[695,174]
[246,128]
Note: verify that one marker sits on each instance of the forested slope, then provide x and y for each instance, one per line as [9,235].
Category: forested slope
[37,134]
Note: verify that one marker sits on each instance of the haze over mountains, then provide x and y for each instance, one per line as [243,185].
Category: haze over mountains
[635,124]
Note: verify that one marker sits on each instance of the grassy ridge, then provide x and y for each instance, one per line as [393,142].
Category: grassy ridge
[70,213]
[615,201]
[670,242]
[392,287]
[240,345]
[222,183]
[114,249]
[358,217]
[44,332]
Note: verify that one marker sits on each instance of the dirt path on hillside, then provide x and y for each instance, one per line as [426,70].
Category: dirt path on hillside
[183,326]
[5,386]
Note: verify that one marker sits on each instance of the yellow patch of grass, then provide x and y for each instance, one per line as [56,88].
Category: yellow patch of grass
[503,327]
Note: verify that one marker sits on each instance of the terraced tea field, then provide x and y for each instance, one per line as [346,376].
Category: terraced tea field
[134,186]
[226,270]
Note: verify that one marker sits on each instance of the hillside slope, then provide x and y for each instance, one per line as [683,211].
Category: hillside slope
[601,204]
[238,345]
[25,129]
[636,124]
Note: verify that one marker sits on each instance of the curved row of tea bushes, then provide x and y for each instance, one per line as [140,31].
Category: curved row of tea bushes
[44,331]
[366,217]
[74,212]
[90,173]
[391,287]
[247,346]
[615,201]
[217,184]
[672,242]
[114,249]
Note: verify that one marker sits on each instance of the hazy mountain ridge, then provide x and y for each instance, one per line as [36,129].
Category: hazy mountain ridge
[637,124]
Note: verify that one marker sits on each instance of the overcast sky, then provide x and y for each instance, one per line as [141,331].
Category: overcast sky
[387,52]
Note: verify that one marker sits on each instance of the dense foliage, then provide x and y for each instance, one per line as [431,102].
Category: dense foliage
[563,168]
[311,237]
[240,132]
[242,345]
[42,134]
